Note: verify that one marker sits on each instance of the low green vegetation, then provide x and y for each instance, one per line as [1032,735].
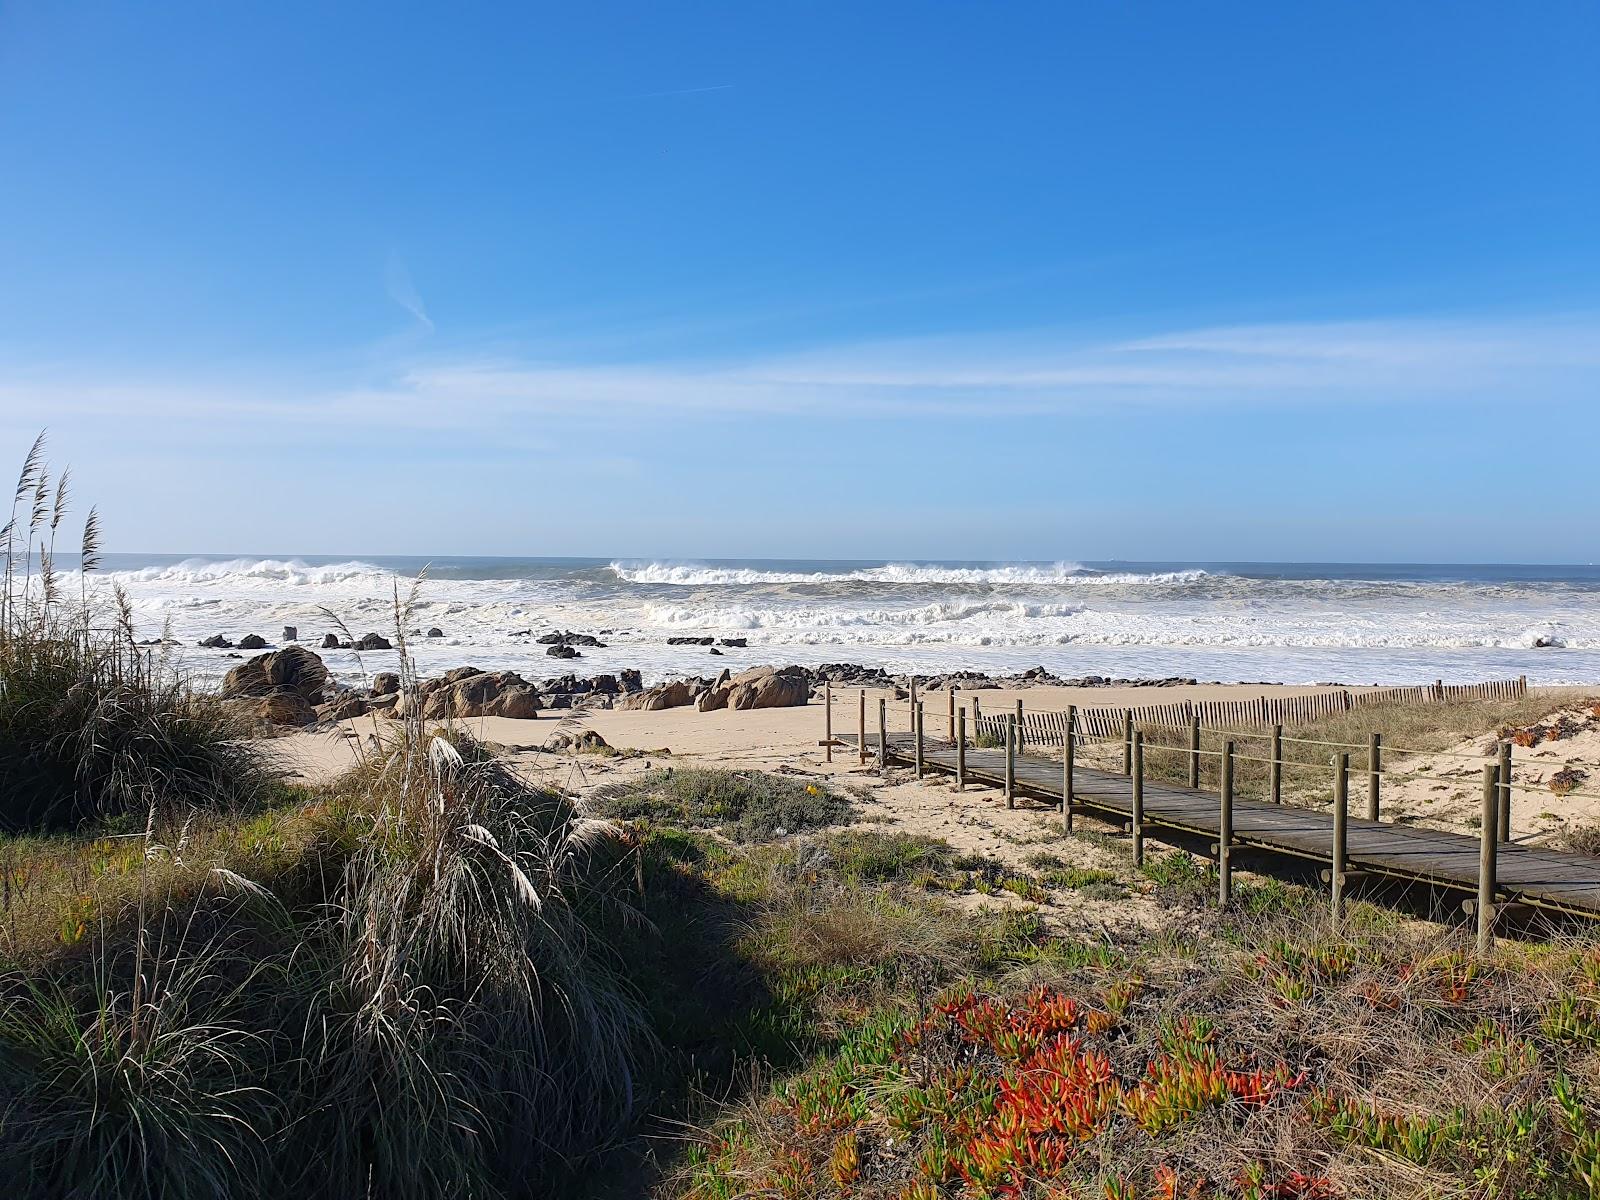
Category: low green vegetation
[743,805]
[1264,1057]
[1178,873]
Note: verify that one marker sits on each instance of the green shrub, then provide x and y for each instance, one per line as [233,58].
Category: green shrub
[1073,878]
[1176,870]
[871,856]
[745,805]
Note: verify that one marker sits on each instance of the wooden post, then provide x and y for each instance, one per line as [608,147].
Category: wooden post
[1341,816]
[1138,799]
[1019,726]
[1225,829]
[827,722]
[861,728]
[976,713]
[951,697]
[1127,741]
[916,718]
[1275,770]
[1486,857]
[1503,821]
[1374,779]
[883,735]
[1011,762]
[961,750]
[1067,753]
[913,702]
[1194,751]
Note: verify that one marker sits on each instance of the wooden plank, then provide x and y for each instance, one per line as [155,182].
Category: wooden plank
[1535,875]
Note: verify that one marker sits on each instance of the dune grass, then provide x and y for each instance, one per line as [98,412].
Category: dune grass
[421,999]
[92,724]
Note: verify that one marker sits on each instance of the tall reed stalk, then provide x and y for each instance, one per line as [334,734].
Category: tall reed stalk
[91,723]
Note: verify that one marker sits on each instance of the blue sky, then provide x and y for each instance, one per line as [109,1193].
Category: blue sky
[1063,280]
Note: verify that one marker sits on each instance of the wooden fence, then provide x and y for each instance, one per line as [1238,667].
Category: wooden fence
[1047,728]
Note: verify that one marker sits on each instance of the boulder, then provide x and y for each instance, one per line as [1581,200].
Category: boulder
[373,641]
[667,695]
[294,670]
[586,739]
[518,703]
[631,681]
[783,688]
[343,708]
[690,641]
[713,698]
[568,638]
[472,696]
[435,632]
[735,643]
[285,708]
[216,642]
[252,641]
[468,692]
[385,683]
[562,650]
[330,641]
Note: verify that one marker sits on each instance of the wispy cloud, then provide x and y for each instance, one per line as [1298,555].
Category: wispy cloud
[694,91]
[403,291]
[1457,362]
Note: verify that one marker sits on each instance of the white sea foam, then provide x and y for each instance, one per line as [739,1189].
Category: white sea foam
[906,616]
[1056,574]
[1015,623]
[279,572]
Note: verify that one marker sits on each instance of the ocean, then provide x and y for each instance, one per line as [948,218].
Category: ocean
[1230,622]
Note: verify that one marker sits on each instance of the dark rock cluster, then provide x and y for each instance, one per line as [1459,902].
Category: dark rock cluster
[856,675]
[291,686]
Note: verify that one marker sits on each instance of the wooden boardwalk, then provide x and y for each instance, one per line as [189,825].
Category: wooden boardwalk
[1549,879]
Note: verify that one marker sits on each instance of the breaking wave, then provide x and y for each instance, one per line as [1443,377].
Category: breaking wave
[289,572]
[1024,575]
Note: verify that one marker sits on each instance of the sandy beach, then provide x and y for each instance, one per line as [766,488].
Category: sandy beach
[1438,789]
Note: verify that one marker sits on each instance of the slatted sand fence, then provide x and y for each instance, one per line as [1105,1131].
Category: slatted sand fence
[1048,727]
